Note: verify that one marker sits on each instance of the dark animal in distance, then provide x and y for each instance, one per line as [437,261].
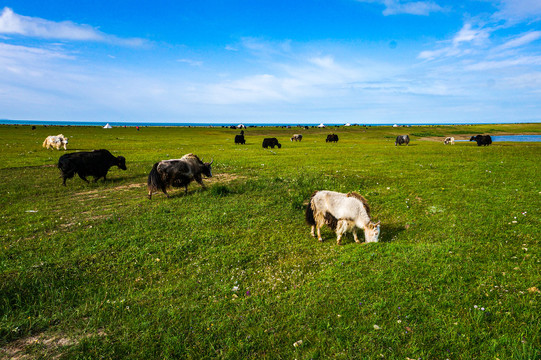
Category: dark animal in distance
[332,138]
[271,142]
[89,163]
[177,173]
[482,140]
[239,139]
[402,139]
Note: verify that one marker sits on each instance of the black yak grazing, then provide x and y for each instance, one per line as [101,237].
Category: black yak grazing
[89,163]
[272,142]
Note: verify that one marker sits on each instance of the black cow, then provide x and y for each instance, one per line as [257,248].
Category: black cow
[177,173]
[272,142]
[332,138]
[402,139]
[483,140]
[239,139]
[89,163]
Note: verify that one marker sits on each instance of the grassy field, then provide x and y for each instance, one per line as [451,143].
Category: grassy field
[97,271]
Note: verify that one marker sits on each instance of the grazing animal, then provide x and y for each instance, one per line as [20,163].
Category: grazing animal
[177,173]
[89,163]
[296,137]
[332,138]
[239,139]
[402,139]
[342,213]
[483,140]
[449,140]
[56,142]
[271,142]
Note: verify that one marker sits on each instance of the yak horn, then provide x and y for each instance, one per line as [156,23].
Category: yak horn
[211,161]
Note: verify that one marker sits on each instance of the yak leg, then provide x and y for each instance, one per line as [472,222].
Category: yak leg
[312,230]
[83,177]
[199,180]
[319,233]
[355,236]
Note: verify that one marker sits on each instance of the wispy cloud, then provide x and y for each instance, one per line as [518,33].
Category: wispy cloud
[396,7]
[514,11]
[463,43]
[191,62]
[15,24]
[521,40]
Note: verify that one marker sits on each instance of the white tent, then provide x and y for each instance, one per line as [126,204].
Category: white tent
[348,124]
[241,126]
[107,126]
[321,126]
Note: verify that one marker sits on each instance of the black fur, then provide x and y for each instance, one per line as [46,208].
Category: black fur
[331,221]
[309,215]
[89,163]
[482,140]
[332,138]
[239,139]
[272,142]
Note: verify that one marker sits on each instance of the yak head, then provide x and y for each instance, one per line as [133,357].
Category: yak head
[121,162]
[206,168]
[371,232]
[473,138]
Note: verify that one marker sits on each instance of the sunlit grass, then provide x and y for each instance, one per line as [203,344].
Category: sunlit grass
[232,272]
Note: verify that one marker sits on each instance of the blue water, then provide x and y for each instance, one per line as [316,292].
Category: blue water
[122,124]
[512,138]
[517,138]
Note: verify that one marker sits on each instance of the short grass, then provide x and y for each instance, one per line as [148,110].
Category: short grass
[94,271]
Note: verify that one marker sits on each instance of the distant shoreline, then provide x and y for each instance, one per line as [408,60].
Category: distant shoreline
[159,124]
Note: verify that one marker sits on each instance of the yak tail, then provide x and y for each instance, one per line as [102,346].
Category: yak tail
[309,214]
[155,181]
[45,143]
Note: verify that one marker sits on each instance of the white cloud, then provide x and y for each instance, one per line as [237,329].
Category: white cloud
[515,11]
[465,42]
[395,7]
[12,23]
[191,62]
[521,40]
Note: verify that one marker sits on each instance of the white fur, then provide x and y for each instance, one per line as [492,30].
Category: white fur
[348,210]
[56,142]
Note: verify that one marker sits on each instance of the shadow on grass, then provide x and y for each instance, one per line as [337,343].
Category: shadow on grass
[389,232]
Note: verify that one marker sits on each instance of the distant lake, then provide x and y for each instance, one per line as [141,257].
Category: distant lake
[514,138]
[521,138]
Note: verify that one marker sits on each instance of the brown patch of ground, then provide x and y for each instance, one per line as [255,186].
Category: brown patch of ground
[217,178]
[41,346]
[223,178]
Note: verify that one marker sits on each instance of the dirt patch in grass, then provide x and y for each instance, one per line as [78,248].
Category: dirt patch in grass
[223,178]
[42,345]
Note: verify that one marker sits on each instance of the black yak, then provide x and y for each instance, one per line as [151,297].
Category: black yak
[177,173]
[239,139]
[89,163]
[272,142]
[332,138]
[483,140]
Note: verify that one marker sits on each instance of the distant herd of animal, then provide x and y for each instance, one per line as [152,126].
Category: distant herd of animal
[341,212]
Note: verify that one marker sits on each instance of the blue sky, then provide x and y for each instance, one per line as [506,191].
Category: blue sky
[308,61]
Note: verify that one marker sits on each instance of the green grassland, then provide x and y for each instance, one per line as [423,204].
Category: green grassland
[98,271]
